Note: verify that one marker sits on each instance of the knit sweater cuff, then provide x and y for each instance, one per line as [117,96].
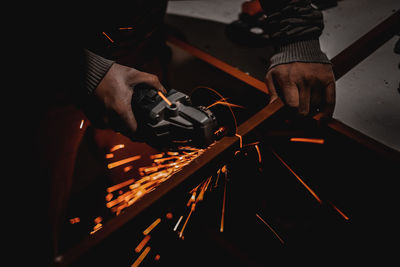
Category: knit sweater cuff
[97,67]
[300,51]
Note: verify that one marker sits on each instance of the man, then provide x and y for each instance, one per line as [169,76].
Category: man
[299,70]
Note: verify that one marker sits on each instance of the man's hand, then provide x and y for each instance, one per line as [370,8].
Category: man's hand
[308,87]
[114,93]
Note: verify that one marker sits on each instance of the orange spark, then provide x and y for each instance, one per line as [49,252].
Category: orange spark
[221,229]
[116,147]
[258,152]
[128,168]
[225,103]
[164,98]
[270,228]
[298,177]
[157,156]
[157,257]
[125,28]
[186,221]
[74,220]
[109,156]
[108,37]
[240,140]
[339,211]
[307,140]
[109,196]
[82,121]
[141,257]
[123,161]
[142,243]
[120,185]
[98,220]
[96,228]
[151,227]
[221,99]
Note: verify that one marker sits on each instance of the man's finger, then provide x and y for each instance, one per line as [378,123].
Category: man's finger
[304,99]
[271,87]
[291,94]
[330,100]
[153,80]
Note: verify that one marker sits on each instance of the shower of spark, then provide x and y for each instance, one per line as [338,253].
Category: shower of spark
[164,165]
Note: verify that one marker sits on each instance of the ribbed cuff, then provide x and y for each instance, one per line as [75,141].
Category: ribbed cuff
[300,51]
[97,68]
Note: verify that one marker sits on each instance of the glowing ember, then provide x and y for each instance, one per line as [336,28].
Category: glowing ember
[116,147]
[108,37]
[270,228]
[123,161]
[163,167]
[152,226]
[141,257]
[307,140]
[74,220]
[142,243]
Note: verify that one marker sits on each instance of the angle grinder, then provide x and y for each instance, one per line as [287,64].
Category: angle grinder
[175,118]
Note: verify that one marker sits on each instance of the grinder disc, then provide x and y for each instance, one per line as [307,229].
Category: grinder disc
[207,97]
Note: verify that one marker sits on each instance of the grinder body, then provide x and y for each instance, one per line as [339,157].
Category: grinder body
[163,124]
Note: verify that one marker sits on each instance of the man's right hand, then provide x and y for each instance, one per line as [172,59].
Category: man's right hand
[114,93]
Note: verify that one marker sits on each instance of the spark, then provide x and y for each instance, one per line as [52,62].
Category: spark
[221,229]
[216,180]
[307,140]
[116,147]
[109,196]
[258,152]
[270,228]
[187,219]
[128,168]
[164,98]
[339,211]
[108,37]
[120,185]
[152,226]
[298,177]
[82,121]
[157,156]
[96,228]
[178,222]
[74,220]
[109,156]
[142,243]
[123,161]
[98,220]
[225,103]
[125,28]
[240,140]
[141,257]
[162,169]
[221,99]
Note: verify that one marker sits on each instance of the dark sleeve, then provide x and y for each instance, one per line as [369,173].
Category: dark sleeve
[294,26]
[96,69]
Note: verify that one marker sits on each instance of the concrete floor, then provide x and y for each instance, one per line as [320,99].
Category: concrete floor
[367,96]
